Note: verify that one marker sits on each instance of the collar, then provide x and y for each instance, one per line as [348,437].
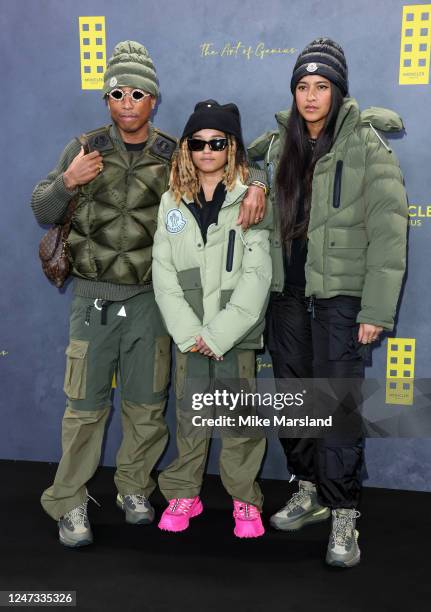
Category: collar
[237,192]
[118,141]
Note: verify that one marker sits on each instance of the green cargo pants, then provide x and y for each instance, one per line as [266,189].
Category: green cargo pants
[133,342]
[240,457]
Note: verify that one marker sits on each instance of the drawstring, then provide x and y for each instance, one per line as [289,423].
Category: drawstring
[269,149]
[269,166]
[380,138]
[94,500]
[243,240]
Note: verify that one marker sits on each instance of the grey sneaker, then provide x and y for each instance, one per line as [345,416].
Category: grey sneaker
[74,527]
[138,509]
[343,549]
[301,509]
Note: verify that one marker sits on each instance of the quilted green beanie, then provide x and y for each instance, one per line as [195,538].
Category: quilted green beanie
[130,66]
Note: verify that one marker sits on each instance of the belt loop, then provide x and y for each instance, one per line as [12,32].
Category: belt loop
[103,309]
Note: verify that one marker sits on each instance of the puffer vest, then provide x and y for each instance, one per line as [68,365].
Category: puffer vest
[115,218]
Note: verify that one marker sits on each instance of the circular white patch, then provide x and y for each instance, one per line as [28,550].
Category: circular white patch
[175,221]
[113,81]
[312,67]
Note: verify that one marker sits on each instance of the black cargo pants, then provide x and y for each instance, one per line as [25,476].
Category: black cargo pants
[319,342]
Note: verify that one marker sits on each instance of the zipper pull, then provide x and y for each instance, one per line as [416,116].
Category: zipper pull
[310,306]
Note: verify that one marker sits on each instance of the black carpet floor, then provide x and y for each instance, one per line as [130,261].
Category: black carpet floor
[207,568]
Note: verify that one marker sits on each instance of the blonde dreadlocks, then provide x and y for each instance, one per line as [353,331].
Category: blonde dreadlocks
[185,176]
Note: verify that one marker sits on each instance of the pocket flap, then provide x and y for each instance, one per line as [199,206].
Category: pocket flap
[163,345]
[347,238]
[190,279]
[77,349]
[225,296]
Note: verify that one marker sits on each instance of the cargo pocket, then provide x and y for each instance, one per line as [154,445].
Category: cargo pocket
[162,363]
[180,374]
[225,295]
[343,330]
[75,379]
[247,368]
[362,350]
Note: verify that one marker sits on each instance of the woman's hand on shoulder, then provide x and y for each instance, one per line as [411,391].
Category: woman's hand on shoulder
[253,206]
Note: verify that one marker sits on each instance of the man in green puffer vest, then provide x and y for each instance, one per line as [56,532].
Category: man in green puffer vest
[117,180]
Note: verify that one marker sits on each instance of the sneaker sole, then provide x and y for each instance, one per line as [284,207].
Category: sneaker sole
[164,526]
[73,544]
[286,525]
[252,533]
[344,564]
[139,520]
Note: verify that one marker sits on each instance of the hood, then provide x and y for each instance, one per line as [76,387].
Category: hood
[382,119]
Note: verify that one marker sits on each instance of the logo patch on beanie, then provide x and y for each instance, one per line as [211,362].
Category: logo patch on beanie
[175,221]
[312,67]
[113,81]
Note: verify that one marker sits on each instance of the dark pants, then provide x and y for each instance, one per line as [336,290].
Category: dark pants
[321,344]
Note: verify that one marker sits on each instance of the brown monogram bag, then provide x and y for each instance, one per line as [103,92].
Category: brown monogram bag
[54,249]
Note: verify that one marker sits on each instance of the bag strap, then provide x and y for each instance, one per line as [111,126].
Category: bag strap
[83,141]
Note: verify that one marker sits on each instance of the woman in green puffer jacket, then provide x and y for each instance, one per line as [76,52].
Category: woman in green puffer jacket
[338,254]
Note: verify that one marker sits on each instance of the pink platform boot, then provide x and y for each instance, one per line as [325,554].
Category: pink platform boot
[248,523]
[177,515]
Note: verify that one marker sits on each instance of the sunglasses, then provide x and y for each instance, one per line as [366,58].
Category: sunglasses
[136,94]
[215,144]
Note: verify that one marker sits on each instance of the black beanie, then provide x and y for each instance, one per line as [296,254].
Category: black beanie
[325,57]
[209,114]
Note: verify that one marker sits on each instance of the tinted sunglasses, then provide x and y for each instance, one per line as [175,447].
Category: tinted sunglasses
[137,94]
[215,144]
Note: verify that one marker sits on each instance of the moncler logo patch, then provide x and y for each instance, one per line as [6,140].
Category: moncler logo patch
[113,81]
[175,221]
[312,67]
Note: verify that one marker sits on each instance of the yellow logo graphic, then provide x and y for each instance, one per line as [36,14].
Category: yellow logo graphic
[415,45]
[92,44]
[400,371]
[418,214]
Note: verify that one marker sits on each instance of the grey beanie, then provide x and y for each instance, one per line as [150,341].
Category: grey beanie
[130,66]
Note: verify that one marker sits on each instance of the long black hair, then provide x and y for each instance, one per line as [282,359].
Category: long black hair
[296,167]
